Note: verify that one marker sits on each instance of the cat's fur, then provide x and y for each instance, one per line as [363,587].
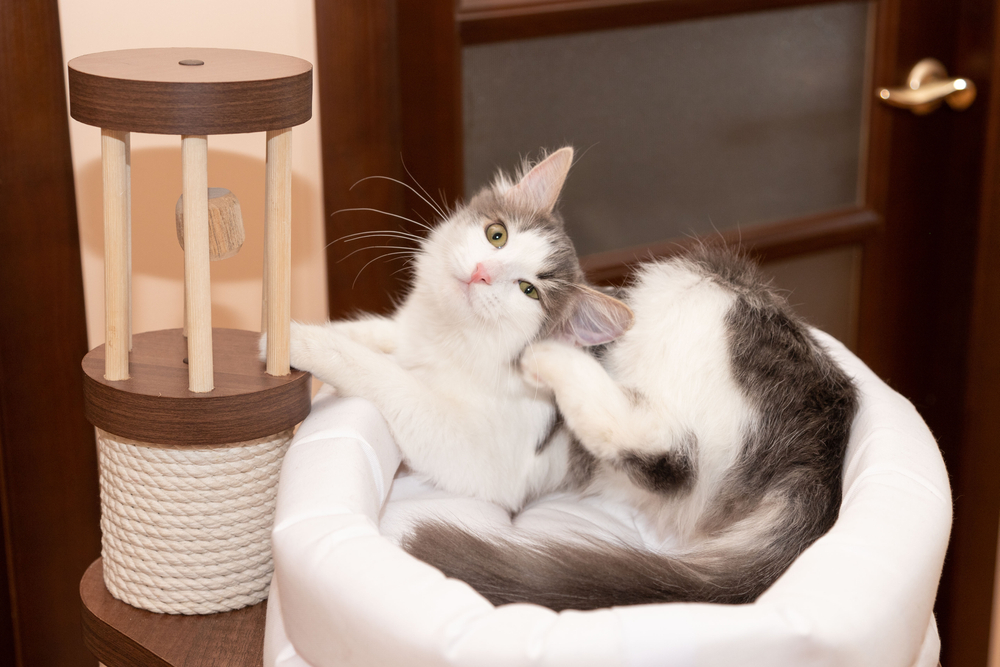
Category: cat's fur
[715,413]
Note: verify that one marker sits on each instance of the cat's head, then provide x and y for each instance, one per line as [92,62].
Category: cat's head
[504,260]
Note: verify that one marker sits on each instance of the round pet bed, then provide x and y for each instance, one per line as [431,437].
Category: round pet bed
[344,594]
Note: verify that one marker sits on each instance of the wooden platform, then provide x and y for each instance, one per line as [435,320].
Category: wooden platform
[120,635]
[196,91]
[155,405]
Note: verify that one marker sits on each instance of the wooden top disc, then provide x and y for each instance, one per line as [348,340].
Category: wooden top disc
[190,91]
[155,406]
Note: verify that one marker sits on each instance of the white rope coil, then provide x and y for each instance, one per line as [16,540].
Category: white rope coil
[187,530]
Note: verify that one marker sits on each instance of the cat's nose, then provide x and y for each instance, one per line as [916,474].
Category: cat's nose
[481,275]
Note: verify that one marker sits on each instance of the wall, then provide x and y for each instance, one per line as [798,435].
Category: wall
[236,162]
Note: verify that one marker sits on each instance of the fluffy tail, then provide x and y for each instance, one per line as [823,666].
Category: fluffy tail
[593,574]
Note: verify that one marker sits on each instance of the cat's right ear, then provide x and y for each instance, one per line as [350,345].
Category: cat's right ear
[540,187]
[596,319]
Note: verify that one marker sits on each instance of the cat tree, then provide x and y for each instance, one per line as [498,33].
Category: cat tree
[191,424]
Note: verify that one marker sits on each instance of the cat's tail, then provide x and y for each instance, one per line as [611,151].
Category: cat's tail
[592,574]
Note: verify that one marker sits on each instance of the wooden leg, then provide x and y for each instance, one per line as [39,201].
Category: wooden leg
[197,277]
[278,249]
[114,156]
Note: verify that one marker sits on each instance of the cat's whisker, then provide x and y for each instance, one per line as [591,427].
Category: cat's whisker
[433,205]
[412,251]
[378,210]
[381,231]
[378,234]
[407,265]
[442,209]
[384,255]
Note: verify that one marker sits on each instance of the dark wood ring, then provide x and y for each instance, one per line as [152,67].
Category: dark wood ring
[154,405]
[150,90]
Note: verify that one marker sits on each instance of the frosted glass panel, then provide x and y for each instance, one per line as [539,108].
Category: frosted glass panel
[681,128]
[823,288]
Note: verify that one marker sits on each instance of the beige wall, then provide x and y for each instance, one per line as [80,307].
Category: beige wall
[236,162]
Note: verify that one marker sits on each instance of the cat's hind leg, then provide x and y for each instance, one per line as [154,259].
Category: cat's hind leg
[615,423]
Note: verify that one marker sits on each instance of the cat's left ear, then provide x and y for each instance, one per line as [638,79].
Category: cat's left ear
[540,187]
[596,319]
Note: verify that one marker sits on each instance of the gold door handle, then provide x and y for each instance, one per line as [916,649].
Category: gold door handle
[927,86]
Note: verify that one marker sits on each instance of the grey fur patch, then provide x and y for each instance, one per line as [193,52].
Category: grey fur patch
[587,575]
[635,397]
[555,425]
[667,473]
[805,406]
[582,465]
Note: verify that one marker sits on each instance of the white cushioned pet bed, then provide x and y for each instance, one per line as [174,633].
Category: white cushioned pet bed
[344,594]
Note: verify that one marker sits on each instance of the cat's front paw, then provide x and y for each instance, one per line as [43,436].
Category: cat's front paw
[303,345]
[308,343]
[542,362]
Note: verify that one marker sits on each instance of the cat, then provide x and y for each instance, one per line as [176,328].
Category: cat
[697,397]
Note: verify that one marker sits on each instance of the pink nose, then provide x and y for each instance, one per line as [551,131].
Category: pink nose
[481,275]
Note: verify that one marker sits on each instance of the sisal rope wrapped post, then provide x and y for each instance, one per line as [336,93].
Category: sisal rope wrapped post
[186,530]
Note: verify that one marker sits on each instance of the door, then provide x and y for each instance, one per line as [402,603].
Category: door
[753,121]
[48,463]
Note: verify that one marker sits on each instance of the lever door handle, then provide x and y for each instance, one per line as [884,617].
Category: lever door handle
[927,86]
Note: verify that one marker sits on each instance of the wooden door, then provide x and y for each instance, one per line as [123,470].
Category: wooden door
[393,104]
[48,461]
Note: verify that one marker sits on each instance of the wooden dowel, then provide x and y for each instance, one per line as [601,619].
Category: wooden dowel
[263,282]
[278,249]
[128,228]
[116,253]
[197,276]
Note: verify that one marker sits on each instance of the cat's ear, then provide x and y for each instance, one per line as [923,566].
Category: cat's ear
[540,187]
[596,319]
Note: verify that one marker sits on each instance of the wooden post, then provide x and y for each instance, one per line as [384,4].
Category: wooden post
[128,229]
[197,277]
[114,162]
[278,250]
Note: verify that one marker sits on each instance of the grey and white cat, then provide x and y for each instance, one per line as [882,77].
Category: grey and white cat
[710,408]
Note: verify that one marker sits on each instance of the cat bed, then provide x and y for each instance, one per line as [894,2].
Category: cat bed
[344,594]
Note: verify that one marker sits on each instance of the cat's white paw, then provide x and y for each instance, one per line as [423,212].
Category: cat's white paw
[543,362]
[307,344]
[304,343]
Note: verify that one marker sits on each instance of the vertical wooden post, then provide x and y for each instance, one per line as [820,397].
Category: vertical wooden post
[278,249]
[128,228]
[263,296]
[197,276]
[114,156]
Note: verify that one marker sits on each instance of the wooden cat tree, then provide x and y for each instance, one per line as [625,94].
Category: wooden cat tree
[191,424]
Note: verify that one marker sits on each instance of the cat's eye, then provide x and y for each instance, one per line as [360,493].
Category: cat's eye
[528,289]
[497,234]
